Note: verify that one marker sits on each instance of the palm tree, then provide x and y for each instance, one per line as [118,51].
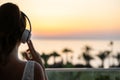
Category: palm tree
[87,49]
[111,45]
[118,57]
[102,56]
[66,51]
[111,51]
[86,55]
[87,58]
[55,54]
[23,55]
[45,58]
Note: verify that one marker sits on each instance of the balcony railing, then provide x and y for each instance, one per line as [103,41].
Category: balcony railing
[83,74]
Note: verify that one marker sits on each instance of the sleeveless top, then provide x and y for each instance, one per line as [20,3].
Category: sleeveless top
[28,73]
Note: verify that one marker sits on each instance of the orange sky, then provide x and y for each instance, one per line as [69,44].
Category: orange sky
[71,17]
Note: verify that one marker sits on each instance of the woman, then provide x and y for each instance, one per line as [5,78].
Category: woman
[12,26]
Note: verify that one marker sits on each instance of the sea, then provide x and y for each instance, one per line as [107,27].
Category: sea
[77,47]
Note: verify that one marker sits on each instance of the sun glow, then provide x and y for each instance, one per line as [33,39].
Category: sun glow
[68,17]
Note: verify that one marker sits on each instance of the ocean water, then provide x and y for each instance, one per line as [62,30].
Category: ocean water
[77,46]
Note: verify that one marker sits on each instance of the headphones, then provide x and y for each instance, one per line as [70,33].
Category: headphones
[26,33]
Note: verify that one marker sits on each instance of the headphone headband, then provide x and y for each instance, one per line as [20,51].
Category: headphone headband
[28,20]
[27,33]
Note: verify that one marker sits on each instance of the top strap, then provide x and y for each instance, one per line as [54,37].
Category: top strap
[28,71]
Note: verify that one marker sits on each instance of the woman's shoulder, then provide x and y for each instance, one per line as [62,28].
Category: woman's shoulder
[38,72]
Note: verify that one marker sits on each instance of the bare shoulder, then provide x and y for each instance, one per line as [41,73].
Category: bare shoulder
[38,72]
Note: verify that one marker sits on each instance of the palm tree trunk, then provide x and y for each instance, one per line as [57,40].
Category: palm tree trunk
[102,64]
[54,61]
[66,58]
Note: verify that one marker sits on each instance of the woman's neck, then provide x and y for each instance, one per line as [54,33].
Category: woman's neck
[14,55]
[12,59]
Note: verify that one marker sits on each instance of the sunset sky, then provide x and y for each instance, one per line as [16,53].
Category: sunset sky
[72,18]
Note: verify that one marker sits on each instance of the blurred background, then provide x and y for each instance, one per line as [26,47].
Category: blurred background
[74,33]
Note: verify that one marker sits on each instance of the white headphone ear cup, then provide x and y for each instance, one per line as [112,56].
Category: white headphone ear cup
[25,36]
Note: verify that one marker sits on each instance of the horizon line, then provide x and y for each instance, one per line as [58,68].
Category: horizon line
[78,37]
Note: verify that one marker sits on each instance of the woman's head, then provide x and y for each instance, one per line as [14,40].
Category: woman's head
[12,25]
[11,19]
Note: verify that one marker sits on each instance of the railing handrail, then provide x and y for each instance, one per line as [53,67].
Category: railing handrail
[82,69]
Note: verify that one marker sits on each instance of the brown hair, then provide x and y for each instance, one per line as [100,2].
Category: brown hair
[12,25]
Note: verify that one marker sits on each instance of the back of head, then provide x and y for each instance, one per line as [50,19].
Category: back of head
[12,25]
